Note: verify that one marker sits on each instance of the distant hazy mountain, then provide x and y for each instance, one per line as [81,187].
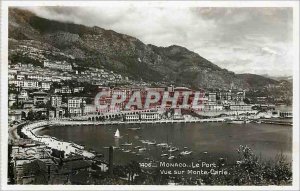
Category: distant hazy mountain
[282,78]
[97,47]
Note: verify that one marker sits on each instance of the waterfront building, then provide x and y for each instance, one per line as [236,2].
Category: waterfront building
[177,114]
[56,100]
[150,116]
[40,97]
[132,117]
[76,106]
[286,114]
[243,107]
[120,92]
[213,107]
[212,98]
[57,113]
[89,109]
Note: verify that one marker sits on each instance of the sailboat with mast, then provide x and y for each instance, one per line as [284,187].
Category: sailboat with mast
[117,134]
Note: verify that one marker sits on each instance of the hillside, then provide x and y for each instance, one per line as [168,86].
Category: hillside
[97,47]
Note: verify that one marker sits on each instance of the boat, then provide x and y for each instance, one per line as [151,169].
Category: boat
[142,149]
[186,153]
[205,152]
[117,134]
[162,145]
[126,151]
[171,157]
[151,143]
[173,149]
[164,155]
[138,147]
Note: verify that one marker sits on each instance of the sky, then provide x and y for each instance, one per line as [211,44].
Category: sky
[242,40]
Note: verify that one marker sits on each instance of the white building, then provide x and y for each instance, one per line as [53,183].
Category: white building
[40,97]
[30,84]
[76,106]
[45,85]
[17,83]
[213,107]
[12,98]
[23,96]
[11,76]
[132,117]
[244,107]
[78,89]
[56,100]
[150,116]
[89,109]
[20,77]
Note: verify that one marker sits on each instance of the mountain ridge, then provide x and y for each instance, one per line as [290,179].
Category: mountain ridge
[98,47]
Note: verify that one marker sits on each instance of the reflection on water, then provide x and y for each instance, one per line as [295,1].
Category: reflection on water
[207,141]
[117,144]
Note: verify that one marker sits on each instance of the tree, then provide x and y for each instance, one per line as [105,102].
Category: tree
[30,115]
[246,101]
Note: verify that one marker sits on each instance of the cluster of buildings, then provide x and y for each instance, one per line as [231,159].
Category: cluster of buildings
[32,90]
[210,101]
[32,162]
[46,90]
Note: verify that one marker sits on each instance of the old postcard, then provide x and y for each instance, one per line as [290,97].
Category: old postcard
[150,95]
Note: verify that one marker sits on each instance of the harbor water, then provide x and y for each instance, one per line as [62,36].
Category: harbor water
[207,141]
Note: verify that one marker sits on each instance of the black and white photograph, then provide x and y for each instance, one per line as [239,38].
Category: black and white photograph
[149,95]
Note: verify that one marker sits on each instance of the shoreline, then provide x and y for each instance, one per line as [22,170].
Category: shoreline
[30,130]
[68,147]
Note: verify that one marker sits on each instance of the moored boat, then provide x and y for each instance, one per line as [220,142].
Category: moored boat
[162,144]
[186,153]
[171,157]
[142,149]
[173,149]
